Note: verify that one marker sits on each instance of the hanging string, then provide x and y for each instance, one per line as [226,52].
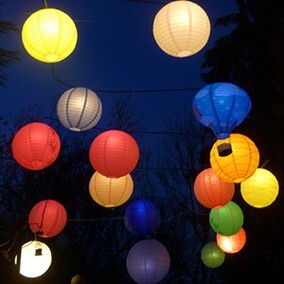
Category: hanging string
[45,3]
[126,91]
[268,160]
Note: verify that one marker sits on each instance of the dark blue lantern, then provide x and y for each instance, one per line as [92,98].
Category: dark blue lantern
[142,217]
[221,107]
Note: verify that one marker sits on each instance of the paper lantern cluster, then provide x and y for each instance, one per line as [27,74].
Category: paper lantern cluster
[234,158]
[46,219]
[148,261]
[113,154]
[181,28]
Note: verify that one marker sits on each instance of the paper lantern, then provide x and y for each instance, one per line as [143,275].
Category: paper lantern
[221,107]
[261,189]
[48,218]
[79,109]
[226,220]
[36,146]
[110,192]
[148,261]
[49,35]
[114,153]
[211,255]
[35,259]
[211,191]
[78,279]
[233,243]
[142,217]
[181,28]
[240,164]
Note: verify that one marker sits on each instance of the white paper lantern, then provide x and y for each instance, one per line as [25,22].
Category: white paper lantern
[35,259]
[181,28]
[79,109]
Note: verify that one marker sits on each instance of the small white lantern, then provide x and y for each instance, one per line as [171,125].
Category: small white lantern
[181,28]
[35,259]
[79,109]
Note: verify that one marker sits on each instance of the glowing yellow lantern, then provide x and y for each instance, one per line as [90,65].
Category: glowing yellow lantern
[238,165]
[35,259]
[110,192]
[181,28]
[261,189]
[233,243]
[49,35]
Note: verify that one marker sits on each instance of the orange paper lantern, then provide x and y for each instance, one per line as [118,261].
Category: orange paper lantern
[36,146]
[114,153]
[233,243]
[47,218]
[238,165]
[110,192]
[211,191]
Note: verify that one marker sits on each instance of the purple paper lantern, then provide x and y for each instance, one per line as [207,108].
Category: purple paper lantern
[148,262]
[142,217]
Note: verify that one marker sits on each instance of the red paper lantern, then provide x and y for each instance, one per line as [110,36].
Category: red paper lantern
[233,243]
[48,218]
[114,153]
[36,146]
[211,191]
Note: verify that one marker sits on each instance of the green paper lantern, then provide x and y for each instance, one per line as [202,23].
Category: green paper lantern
[226,220]
[211,255]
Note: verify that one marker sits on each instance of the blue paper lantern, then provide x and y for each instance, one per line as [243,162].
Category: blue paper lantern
[142,217]
[148,262]
[221,107]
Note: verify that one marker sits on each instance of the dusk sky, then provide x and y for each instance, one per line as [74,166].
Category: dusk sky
[116,51]
[116,56]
